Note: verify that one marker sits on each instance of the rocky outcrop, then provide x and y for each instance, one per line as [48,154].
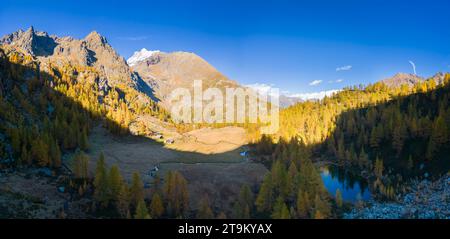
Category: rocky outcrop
[402,79]
[426,200]
[33,42]
[92,51]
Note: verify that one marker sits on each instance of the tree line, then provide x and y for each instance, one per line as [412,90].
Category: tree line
[49,109]
[114,197]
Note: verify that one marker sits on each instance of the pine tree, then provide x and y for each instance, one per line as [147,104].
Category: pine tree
[243,206]
[141,210]
[265,196]
[204,211]
[378,169]
[39,151]
[280,210]
[81,165]
[279,178]
[376,136]
[246,196]
[101,193]
[363,159]
[25,158]
[292,181]
[123,201]
[176,194]
[321,207]
[115,182]
[399,135]
[338,198]
[241,211]
[439,136]
[136,189]
[55,154]
[156,206]
[15,140]
[303,204]
[84,142]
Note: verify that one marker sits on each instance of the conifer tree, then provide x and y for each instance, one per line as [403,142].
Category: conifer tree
[55,154]
[265,196]
[176,194]
[101,193]
[84,142]
[115,182]
[205,211]
[123,201]
[338,198]
[280,209]
[378,169]
[136,189]
[246,196]
[303,204]
[141,210]
[156,206]
[321,207]
[81,165]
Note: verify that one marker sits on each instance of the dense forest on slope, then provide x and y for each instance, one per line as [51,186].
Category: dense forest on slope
[404,126]
[387,135]
[47,112]
[46,115]
[293,188]
[390,143]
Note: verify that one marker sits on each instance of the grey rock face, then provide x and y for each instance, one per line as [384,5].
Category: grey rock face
[33,42]
[402,79]
[93,51]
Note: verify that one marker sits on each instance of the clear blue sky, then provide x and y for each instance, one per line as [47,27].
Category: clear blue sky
[285,43]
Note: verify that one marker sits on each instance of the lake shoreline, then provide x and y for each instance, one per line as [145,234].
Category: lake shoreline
[425,200]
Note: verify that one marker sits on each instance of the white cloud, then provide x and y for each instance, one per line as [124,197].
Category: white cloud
[335,81]
[316,82]
[265,89]
[262,88]
[344,68]
[314,95]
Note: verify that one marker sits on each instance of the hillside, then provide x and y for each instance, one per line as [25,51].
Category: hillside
[62,117]
[164,72]
[79,120]
[93,51]
[387,136]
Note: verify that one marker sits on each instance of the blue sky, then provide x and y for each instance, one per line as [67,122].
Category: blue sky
[288,44]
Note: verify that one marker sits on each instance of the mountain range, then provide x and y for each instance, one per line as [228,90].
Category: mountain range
[164,72]
[154,73]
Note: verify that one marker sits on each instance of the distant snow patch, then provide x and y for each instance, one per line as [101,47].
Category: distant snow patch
[141,55]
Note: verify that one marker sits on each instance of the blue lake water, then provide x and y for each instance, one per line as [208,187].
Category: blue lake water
[352,188]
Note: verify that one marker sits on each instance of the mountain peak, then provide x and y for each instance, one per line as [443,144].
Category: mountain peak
[400,79]
[33,42]
[95,37]
[30,29]
[141,55]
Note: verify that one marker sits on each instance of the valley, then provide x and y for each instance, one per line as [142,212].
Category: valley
[209,161]
[87,134]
